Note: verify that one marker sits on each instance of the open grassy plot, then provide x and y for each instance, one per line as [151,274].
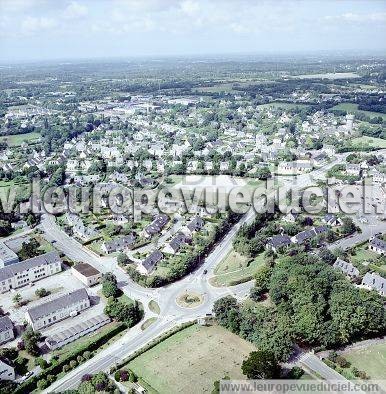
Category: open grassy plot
[17,139]
[192,359]
[351,107]
[369,142]
[236,269]
[371,359]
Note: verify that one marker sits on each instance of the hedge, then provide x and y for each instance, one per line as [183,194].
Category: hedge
[57,368]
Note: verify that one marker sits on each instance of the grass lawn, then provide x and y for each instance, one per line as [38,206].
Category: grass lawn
[363,254]
[351,107]
[147,323]
[372,360]
[16,140]
[369,141]
[235,268]
[192,359]
[154,307]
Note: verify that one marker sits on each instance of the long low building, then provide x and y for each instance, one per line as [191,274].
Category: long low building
[29,271]
[62,338]
[60,308]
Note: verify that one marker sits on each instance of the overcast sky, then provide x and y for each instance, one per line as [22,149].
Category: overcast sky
[68,29]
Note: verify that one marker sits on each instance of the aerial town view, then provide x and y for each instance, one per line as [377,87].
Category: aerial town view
[192,196]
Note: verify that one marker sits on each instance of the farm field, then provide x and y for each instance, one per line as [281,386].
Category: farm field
[351,107]
[371,359]
[235,268]
[369,141]
[17,139]
[328,76]
[179,364]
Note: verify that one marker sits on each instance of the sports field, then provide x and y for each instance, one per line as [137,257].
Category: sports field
[191,360]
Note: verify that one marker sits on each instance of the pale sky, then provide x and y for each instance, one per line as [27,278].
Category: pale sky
[33,30]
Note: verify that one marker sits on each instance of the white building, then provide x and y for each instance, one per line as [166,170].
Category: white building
[7,256]
[86,273]
[61,308]
[6,330]
[29,271]
[7,372]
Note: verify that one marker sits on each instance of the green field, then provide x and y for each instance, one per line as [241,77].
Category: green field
[353,108]
[191,360]
[236,268]
[369,142]
[16,140]
[371,359]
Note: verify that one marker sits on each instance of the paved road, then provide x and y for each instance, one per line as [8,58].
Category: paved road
[171,314]
[313,363]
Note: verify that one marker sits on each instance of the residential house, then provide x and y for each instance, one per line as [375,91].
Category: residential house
[156,226]
[176,243]
[375,282]
[196,224]
[58,309]
[332,220]
[378,246]
[119,244]
[291,216]
[294,167]
[278,242]
[151,261]
[347,268]
[353,169]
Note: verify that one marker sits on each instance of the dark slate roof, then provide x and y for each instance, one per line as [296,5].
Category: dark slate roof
[196,224]
[378,243]
[151,260]
[320,229]
[177,241]
[5,324]
[157,224]
[346,267]
[304,235]
[44,259]
[279,240]
[120,243]
[57,304]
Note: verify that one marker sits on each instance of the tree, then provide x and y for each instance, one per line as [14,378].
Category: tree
[348,226]
[29,249]
[110,286]
[17,299]
[227,313]
[261,365]
[42,292]
[31,339]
